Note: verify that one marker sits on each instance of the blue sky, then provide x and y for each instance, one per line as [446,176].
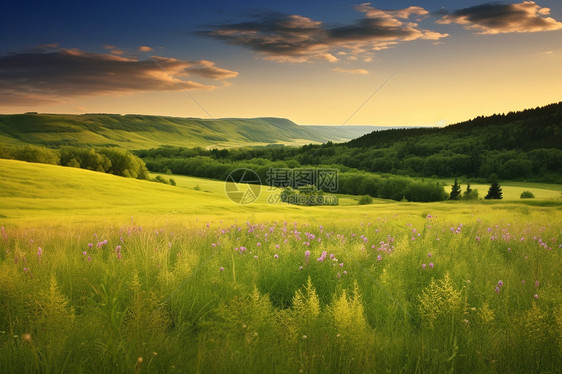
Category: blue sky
[313,62]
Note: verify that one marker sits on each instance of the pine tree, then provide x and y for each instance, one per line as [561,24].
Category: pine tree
[466,194]
[495,191]
[455,191]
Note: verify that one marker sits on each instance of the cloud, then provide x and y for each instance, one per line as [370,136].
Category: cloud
[295,38]
[208,70]
[497,18]
[144,48]
[351,71]
[41,77]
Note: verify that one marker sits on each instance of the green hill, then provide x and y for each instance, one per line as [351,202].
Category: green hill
[141,132]
[525,130]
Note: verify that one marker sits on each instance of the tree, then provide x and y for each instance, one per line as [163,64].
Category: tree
[495,191]
[470,194]
[455,191]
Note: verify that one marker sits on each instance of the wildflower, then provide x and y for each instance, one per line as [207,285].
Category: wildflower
[221,269]
[536,296]
[90,245]
[345,272]
[84,253]
[424,266]
[307,253]
[277,246]
[276,256]
[500,283]
[429,254]
[300,267]
[497,289]
[118,248]
[536,283]
[431,265]
[39,252]
[379,258]
[89,258]
[256,257]
[341,264]
[304,336]
[258,244]
[523,281]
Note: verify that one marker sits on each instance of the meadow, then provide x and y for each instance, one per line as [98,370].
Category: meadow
[100,273]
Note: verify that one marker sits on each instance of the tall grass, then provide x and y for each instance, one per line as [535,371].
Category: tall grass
[394,294]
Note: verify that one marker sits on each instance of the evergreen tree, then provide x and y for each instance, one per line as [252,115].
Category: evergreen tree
[455,191]
[495,191]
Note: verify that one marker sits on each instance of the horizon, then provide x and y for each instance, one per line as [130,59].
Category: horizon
[390,64]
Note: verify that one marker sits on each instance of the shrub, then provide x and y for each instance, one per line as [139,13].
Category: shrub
[365,200]
[527,195]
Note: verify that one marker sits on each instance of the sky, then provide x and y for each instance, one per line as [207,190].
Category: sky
[385,63]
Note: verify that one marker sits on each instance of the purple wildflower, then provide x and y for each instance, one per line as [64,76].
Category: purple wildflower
[431,265]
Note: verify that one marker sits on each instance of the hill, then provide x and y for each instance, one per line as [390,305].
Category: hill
[526,130]
[55,195]
[142,132]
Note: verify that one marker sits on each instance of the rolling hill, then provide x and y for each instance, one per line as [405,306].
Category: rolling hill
[141,132]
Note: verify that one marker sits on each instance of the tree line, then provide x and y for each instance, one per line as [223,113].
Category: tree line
[106,160]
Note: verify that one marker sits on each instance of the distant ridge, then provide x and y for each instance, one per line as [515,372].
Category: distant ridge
[134,131]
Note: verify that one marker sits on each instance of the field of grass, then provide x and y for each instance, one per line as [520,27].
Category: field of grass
[100,273]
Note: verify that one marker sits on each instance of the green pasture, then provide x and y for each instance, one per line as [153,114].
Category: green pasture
[100,273]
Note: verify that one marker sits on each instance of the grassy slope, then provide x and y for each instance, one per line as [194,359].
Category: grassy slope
[142,132]
[46,194]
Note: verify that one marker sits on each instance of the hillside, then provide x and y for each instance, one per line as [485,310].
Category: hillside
[141,132]
[526,130]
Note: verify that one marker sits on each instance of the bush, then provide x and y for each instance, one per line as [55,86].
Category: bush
[365,200]
[472,195]
[527,195]
[33,153]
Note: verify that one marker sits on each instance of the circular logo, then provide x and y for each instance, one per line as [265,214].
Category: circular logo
[242,186]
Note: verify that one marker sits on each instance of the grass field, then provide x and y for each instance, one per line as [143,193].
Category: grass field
[100,273]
